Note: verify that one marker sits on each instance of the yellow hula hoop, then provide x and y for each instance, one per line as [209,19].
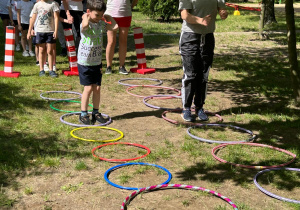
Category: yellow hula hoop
[98,127]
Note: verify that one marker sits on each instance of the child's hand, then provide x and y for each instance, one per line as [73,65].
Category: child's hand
[20,27]
[54,35]
[70,19]
[105,19]
[223,14]
[28,35]
[32,33]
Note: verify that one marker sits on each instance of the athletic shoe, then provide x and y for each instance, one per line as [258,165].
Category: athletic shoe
[42,73]
[108,70]
[52,74]
[25,53]
[46,68]
[18,48]
[201,114]
[84,120]
[63,52]
[187,115]
[54,67]
[31,53]
[37,63]
[122,70]
[98,117]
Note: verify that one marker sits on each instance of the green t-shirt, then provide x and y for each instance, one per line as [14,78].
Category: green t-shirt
[201,8]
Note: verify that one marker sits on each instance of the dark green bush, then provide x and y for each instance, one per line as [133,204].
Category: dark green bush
[159,8]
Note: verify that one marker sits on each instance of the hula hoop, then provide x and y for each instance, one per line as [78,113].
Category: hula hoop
[220,119]
[82,125]
[180,186]
[221,142]
[151,86]
[121,160]
[253,144]
[109,140]
[52,84]
[128,164]
[61,110]
[271,194]
[159,96]
[125,84]
[60,99]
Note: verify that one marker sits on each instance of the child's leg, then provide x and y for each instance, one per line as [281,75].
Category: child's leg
[85,98]
[42,57]
[29,44]
[17,35]
[50,55]
[37,53]
[24,39]
[96,96]
[54,57]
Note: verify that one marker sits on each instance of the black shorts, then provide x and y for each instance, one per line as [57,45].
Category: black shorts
[34,40]
[25,26]
[42,38]
[4,16]
[15,22]
[90,75]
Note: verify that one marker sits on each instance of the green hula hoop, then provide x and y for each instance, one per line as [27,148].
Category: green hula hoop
[98,127]
[61,110]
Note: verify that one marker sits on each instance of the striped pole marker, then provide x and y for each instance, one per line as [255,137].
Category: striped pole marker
[73,69]
[9,54]
[140,53]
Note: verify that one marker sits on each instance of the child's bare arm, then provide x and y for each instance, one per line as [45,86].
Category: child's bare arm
[31,23]
[112,26]
[85,21]
[56,21]
[19,19]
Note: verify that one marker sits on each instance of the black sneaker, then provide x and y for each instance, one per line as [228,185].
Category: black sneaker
[52,74]
[201,114]
[98,117]
[63,52]
[122,70]
[42,73]
[37,63]
[187,115]
[84,120]
[108,70]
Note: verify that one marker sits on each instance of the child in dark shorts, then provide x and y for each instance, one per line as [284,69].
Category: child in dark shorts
[47,14]
[90,56]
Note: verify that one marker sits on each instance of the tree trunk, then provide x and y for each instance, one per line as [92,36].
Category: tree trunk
[261,20]
[292,49]
[269,16]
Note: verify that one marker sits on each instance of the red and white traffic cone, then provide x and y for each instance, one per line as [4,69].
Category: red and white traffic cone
[140,53]
[73,69]
[9,54]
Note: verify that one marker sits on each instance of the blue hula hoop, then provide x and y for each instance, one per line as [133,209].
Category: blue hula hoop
[127,164]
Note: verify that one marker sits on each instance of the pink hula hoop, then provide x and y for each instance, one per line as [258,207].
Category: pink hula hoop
[215,149]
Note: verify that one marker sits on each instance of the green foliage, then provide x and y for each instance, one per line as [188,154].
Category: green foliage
[159,8]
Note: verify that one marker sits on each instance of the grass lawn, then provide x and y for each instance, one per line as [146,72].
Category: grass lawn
[43,167]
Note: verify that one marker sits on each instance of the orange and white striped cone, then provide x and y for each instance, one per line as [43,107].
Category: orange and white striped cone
[9,54]
[140,53]
[73,69]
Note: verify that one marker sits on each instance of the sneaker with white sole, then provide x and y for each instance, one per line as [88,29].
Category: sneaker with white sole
[31,54]
[37,63]
[108,70]
[18,48]
[25,53]
[54,67]
[187,115]
[122,70]
[201,114]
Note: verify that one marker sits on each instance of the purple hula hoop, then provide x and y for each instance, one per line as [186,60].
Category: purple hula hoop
[181,186]
[61,99]
[82,125]
[221,125]
[159,96]
[125,84]
[271,194]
